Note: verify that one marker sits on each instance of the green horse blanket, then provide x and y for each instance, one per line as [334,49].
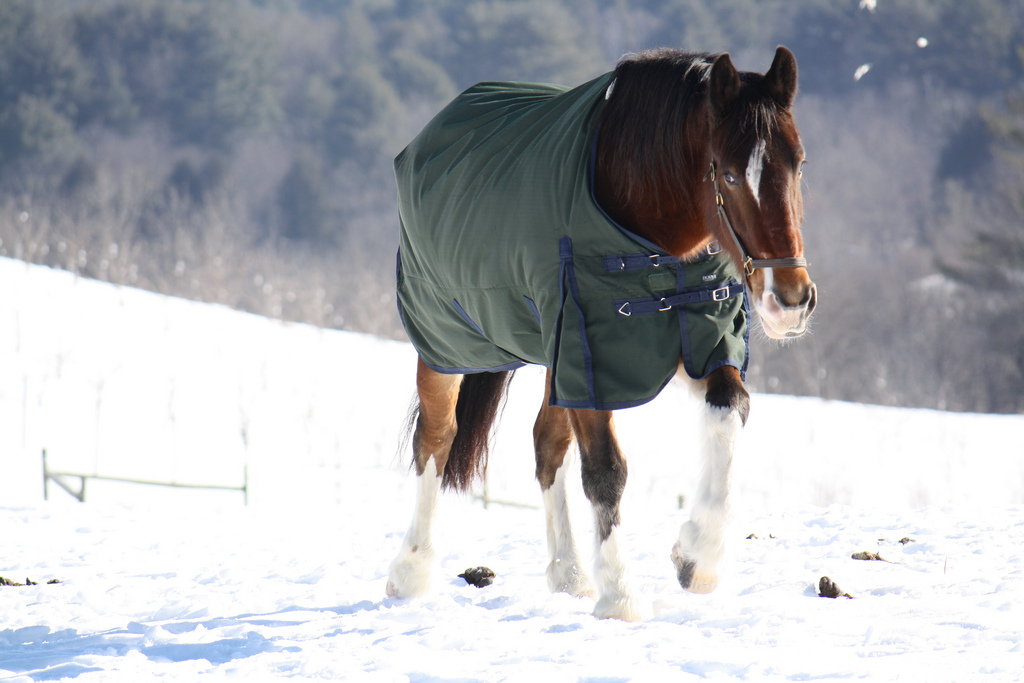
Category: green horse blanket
[505,258]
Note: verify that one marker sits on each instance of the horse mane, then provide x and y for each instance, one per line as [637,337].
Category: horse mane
[655,127]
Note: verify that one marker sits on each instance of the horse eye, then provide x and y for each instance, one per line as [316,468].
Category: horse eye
[729,178]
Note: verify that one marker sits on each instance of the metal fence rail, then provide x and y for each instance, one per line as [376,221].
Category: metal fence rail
[78,492]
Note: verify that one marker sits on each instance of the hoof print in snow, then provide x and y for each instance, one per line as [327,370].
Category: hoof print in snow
[827,588]
[478,576]
[905,540]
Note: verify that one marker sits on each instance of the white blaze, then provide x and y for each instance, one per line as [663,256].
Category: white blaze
[754,166]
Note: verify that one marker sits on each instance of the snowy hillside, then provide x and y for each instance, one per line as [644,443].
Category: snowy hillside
[121,382]
[174,583]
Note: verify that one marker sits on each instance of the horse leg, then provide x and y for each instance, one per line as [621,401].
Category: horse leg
[701,544]
[604,478]
[435,430]
[552,440]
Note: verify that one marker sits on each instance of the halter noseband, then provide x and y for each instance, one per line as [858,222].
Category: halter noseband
[750,264]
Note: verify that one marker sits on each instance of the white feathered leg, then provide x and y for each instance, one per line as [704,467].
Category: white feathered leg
[565,571]
[701,545]
[616,598]
[410,572]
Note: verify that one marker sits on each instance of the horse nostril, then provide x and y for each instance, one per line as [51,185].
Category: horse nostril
[812,298]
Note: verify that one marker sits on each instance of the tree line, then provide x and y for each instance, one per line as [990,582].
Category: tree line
[240,152]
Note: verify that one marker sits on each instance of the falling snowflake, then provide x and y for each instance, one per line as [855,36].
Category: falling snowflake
[861,70]
[922,42]
[869,5]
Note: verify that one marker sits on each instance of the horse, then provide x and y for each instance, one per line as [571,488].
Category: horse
[680,163]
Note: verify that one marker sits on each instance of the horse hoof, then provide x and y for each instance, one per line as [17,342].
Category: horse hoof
[409,577]
[408,589]
[693,578]
[577,590]
[573,581]
[623,608]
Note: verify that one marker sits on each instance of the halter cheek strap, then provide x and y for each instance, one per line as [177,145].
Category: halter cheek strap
[750,264]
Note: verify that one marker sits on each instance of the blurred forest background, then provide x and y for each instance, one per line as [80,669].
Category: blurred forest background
[240,152]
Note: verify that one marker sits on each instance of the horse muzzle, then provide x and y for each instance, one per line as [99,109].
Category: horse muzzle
[781,320]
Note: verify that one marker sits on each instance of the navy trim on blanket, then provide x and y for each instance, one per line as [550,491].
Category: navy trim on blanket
[515,365]
[567,285]
[610,405]
[533,308]
[398,281]
[465,316]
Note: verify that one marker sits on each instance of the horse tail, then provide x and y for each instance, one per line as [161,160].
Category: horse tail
[481,399]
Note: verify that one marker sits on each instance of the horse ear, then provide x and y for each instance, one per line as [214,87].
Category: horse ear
[781,78]
[724,85]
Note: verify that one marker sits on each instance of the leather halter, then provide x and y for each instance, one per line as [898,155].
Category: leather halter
[750,264]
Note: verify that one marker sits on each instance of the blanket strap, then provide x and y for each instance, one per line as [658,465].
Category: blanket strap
[617,262]
[628,307]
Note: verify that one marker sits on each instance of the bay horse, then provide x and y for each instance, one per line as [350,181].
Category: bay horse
[669,159]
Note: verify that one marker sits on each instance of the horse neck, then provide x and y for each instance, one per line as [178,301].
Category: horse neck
[672,213]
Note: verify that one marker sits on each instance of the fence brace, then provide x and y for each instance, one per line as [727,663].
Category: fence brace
[78,492]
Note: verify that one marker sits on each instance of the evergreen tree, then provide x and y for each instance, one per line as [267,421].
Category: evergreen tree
[42,80]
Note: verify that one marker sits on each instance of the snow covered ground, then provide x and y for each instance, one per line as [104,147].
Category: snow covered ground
[174,584]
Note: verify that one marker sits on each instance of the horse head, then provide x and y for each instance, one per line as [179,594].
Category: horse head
[756,165]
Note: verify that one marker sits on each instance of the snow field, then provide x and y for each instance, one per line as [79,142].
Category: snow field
[259,594]
[162,584]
